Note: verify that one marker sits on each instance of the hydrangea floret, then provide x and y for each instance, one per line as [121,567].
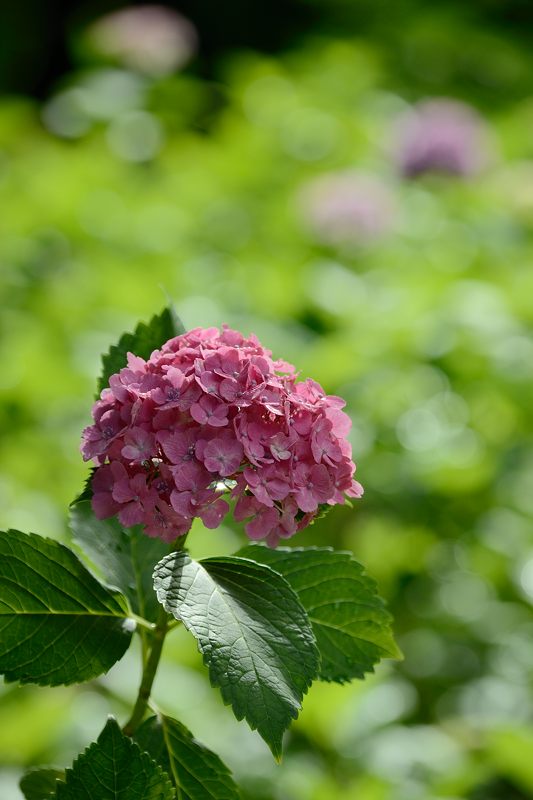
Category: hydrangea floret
[212,414]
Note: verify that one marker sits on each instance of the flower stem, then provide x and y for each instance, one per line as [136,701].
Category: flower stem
[149,672]
[157,636]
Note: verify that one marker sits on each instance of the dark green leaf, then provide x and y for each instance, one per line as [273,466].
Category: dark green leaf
[125,557]
[351,625]
[197,773]
[142,342]
[252,631]
[87,491]
[40,783]
[58,624]
[115,768]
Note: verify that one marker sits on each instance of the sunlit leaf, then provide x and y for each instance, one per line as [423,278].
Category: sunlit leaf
[252,631]
[350,622]
[58,624]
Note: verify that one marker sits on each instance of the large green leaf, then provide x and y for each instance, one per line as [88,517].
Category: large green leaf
[253,633]
[58,624]
[142,342]
[197,773]
[351,624]
[115,768]
[40,783]
[125,557]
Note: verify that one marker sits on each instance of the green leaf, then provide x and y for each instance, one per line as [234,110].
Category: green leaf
[40,783]
[142,342]
[115,768]
[58,624]
[125,557]
[197,773]
[252,631]
[350,622]
[87,491]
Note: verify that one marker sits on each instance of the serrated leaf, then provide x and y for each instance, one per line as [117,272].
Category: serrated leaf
[146,338]
[197,773]
[252,631]
[115,768]
[86,492]
[125,557]
[40,783]
[58,624]
[350,622]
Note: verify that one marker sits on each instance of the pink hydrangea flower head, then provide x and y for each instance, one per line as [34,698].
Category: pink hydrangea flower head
[212,414]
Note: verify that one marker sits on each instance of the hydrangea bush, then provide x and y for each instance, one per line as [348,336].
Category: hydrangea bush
[186,425]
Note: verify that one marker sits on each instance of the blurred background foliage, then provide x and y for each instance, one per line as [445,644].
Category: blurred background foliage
[270,166]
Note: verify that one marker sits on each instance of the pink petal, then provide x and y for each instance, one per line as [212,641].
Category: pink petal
[103,479]
[321,480]
[355,490]
[176,377]
[220,418]
[131,453]
[262,495]
[214,514]
[223,456]
[175,446]
[261,525]
[122,492]
[209,382]
[103,505]
[278,489]
[306,500]
[229,389]
[180,502]
[251,476]
[136,363]
[341,422]
[198,413]
[138,485]
[191,475]
[279,445]
[272,539]
[131,514]
[245,507]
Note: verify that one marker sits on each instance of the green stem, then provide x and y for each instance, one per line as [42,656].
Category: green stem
[157,636]
[141,621]
[149,672]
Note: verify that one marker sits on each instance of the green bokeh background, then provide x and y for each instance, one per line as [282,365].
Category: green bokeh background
[187,189]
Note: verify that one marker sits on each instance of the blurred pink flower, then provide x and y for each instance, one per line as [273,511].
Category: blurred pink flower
[153,39]
[441,135]
[347,207]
